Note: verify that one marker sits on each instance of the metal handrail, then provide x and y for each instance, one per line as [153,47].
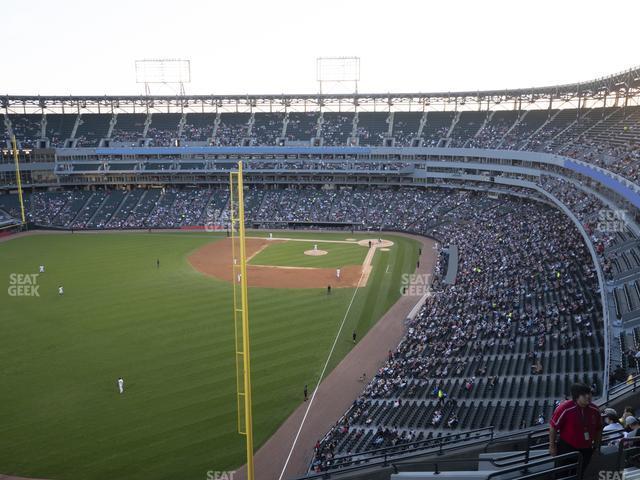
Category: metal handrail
[517,468]
[544,461]
[515,457]
[621,389]
[439,443]
[606,436]
[418,443]
[509,436]
[626,445]
[384,460]
[436,464]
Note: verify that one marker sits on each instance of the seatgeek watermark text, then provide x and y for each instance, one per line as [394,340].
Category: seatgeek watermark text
[415,284]
[23,285]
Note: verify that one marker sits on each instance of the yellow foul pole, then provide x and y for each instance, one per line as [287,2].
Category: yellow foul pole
[241,315]
[18,179]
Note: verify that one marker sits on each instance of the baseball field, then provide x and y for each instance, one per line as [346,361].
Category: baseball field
[155,309]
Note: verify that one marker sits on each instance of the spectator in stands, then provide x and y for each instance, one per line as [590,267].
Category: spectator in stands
[453,421]
[437,417]
[631,437]
[469,385]
[578,423]
[631,424]
[611,424]
[628,412]
[536,368]
[618,376]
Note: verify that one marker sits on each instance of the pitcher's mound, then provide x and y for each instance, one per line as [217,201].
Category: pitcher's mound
[315,253]
[375,242]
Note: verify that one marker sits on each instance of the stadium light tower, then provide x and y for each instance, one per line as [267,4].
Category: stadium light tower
[338,70]
[163,71]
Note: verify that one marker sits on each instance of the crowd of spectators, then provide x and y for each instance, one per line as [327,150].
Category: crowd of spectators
[159,137]
[197,133]
[336,129]
[231,134]
[523,272]
[268,131]
[403,133]
[617,148]
[125,137]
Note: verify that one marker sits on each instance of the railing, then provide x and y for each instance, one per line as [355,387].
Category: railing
[529,435]
[571,463]
[381,457]
[536,439]
[627,447]
[617,391]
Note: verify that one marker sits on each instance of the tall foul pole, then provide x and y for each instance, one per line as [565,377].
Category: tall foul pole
[241,314]
[18,179]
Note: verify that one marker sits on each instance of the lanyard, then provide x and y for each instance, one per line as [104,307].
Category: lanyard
[584,422]
[582,419]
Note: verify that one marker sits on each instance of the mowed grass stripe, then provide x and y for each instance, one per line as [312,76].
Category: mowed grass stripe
[169,332]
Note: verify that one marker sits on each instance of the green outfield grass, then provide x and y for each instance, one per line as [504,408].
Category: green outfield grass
[291,254]
[168,332]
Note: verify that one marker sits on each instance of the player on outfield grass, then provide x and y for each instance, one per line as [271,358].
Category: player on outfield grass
[60,290]
[41,268]
[120,385]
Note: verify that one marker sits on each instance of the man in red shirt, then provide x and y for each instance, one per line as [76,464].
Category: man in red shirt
[578,423]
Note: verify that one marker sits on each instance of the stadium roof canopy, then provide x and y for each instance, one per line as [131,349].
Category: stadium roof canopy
[605,91]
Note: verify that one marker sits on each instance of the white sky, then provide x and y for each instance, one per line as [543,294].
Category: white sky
[88,47]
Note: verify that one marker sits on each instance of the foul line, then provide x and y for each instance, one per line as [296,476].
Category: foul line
[313,396]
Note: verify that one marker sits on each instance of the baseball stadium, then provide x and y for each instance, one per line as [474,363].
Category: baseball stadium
[384,286]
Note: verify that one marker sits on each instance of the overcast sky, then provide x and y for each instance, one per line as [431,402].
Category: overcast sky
[88,47]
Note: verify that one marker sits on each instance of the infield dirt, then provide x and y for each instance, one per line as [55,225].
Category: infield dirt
[215,260]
